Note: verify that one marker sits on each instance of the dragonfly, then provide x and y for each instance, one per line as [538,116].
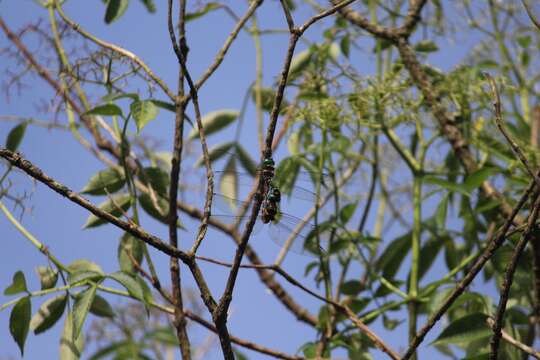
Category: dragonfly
[281,226]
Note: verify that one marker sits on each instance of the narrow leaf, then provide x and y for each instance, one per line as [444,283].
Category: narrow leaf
[474,180]
[215,121]
[105,182]
[215,153]
[15,136]
[158,178]
[426,46]
[450,186]
[81,308]
[100,307]
[18,284]
[131,285]
[83,276]
[84,265]
[115,9]
[70,349]
[299,63]
[150,5]
[129,248]
[246,160]
[105,110]
[48,314]
[465,330]
[116,207]
[164,105]
[19,321]
[351,287]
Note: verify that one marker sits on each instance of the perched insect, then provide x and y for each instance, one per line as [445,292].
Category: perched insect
[281,226]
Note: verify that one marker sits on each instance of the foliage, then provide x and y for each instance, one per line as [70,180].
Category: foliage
[403,176]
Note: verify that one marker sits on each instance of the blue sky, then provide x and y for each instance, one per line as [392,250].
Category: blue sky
[57,222]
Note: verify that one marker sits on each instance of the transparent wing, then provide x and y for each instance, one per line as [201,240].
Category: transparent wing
[225,205]
[298,236]
[245,183]
[231,219]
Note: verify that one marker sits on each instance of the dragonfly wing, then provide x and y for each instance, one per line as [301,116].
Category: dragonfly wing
[231,219]
[224,205]
[299,236]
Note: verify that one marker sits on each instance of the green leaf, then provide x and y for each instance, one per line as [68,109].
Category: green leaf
[105,110]
[299,63]
[15,136]
[128,248]
[450,186]
[215,121]
[81,308]
[160,213]
[70,349]
[158,178]
[345,45]
[105,182]
[84,265]
[426,46]
[238,355]
[115,347]
[84,276]
[47,277]
[394,254]
[120,95]
[441,212]
[205,10]
[164,105]
[48,314]
[132,286]
[215,153]
[475,180]
[115,9]
[246,160]
[346,212]
[116,207]
[465,330]
[19,321]
[429,251]
[143,112]
[163,335]
[524,41]
[150,5]
[267,100]
[351,287]
[100,307]
[18,284]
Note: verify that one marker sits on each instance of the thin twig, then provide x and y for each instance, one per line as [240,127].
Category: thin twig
[509,339]
[508,278]
[17,160]
[116,49]
[176,163]
[499,121]
[223,51]
[530,14]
